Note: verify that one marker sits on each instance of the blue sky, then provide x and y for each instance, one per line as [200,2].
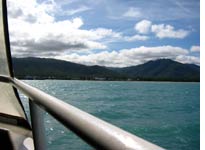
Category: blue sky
[115,33]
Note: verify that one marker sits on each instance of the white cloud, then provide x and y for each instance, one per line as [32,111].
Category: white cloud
[143,26]
[160,30]
[133,13]
[56,36]
[195,48]
[136,38]
[188,59]
[31,11]
[168,31]
[126,57]
[100,33]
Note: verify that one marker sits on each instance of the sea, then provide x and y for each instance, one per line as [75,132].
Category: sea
[165,113]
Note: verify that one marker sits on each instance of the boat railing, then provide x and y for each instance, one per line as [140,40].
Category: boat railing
[96,132]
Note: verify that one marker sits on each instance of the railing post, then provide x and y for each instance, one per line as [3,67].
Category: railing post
[37,122]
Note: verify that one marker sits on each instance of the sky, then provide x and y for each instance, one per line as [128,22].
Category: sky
[113,33]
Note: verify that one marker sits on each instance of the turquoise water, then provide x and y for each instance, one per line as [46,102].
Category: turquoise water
[165,113]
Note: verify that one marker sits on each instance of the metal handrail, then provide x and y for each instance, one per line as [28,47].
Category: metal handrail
[96,132]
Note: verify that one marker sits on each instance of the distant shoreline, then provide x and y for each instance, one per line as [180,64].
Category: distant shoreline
[157,70]
[128,80]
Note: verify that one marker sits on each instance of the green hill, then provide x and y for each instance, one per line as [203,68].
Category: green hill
[158,70]
[43,68]
[163,69]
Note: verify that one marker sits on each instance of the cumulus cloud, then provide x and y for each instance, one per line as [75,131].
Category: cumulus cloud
[195,48]
[133,13]
[100,33]
[160,30]
[55,36]
[143,26]
[126,57]
[168,31]
[31,11]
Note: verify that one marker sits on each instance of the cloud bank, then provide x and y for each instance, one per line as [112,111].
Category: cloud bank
[130,57]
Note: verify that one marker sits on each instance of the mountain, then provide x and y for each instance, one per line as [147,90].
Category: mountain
[58,69]
[158,70]
[162,69]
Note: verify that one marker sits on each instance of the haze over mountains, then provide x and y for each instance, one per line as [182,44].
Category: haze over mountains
[158,70]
